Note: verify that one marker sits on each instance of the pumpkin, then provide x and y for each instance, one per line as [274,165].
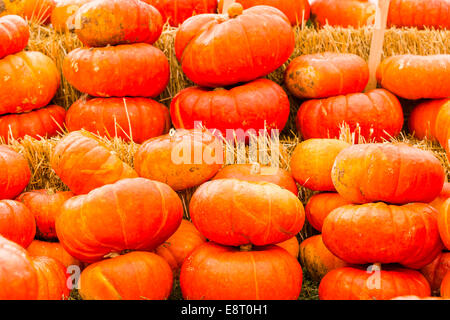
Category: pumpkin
[422,121]
[15,173]
[235,212]
[105,221]
[344,13]
[204,40]
[435,271]
[444,223]
[51,276]
[17,222]
[14,7]
[177,11]
[184,159]
[312,161]
[45,205]
[52,250]
[405,234]
[445,286]
[442,127]
[136,119]
[327,74]
[146,73]
[14,34]
[110,279]
[415,77]
[45,122]
[440,199]
[175,249]
[389,172]
[111,22]
[29,80]
[84,163]
[320,205]
[38,11]
[63,14]
[356,283]
[18,279]
[248,108]
[316,259]
[374,115]
[291,245]
[214,272]
[257,172]
[419,13]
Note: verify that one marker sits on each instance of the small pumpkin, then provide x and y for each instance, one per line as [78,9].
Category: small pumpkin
[38,11]
[440,199]
[344,13]
[419,13]
[445,286]
[435,271]
[14,35]
[52,250]
[15,173]
[442,127]
[422,121]
[444,223]
[291,245]
[63,14]
[52,278]
[12,7]
[320,205]
[17,222]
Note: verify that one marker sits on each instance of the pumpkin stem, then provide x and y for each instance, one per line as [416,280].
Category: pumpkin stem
[111,255]
[235,10]
[256,168]
[246,247]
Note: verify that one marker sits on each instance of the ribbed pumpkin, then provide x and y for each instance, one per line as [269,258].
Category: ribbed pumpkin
[146,73]
[136,119]
[327,74]
[389,172]
[15,173]
[320,205]
[344,13]
[51,279]
[375,115]
[257,172]
[312,161]
[444,223]
[419,13]
[17,222]
[415,77]
[29,81]
[316,259]
[214,272]
[354,283]
[257,105]
[422,121]
[440,199]
[291,245]
[45,205]
[184,159]
[38,11]
[63,14]
[442,127]
[18,279]
[406,234]
[45,122]
[14,34]
[111,279]
[52,250]
[445,286]
[235,212]
[204,40]
[436,270]
[112,22]
[131,214]
[84,163]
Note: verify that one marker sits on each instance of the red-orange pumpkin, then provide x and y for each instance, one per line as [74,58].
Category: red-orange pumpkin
[444,223]
[291,245]
[419,13]
[38,11]
[202,45]
[14,35]
[52,250]
[51,279]
[436,270]
[15,173]
[442,127]
[131,214]
[136,119]
[17,222]
[422,121]
[440,199]
[345,13]
[63,14]
[320,205]
[445,286]
[215,272]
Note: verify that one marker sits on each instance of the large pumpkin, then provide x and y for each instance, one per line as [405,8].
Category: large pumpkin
[248,108]
[136,119]
[344,13]
[312,161]
[327,74]
[63,14]
[442,127]
[38,11]
[15,173]
[381,233]
[356,283]
[29,80]
[17,222]
[215,272]
[145,73]
[202,45]
[416,77]
[14,34]
[422,121]
[436,270]
[440,199]
[45,122]
[133,276]
[444,223]
[320,205]
[374,115]
[393,173]
[236,212]
[131,214]
[419,13]
[51,279]
[184,159]
[84,163]
[52,250]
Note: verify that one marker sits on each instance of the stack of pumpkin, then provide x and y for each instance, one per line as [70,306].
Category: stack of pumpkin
[29,81]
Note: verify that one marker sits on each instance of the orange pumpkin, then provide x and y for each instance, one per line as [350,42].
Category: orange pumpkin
[51,276]
[442,127]
[445,286]
[14,35]
[63,14]
[422,121]
[419,13]
[12,7]
[52,250]
[444,223]
[38,11]
[435,271]
[291,245]
[344,13]
[15,173]
[17,222]
[320,205]
[440,199]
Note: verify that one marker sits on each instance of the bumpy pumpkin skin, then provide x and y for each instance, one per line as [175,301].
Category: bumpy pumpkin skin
[29,81]
[203,40]
[63,14]
[267,273]
[51,279]
[444,223]
[17,222]
[136,119]
[14,34]
[351,13]
[15,173]
[52,250]
[145,75]
[436,270]
[445,286]
[407,174]
[442,127]
[234,212]
[291,245]
[419,13]
[422,121]
[444,195]
[100,23]
[320,205]
[38,11]
[110,279]
[354,283]
[106,221]
[406,234]
[327,74]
